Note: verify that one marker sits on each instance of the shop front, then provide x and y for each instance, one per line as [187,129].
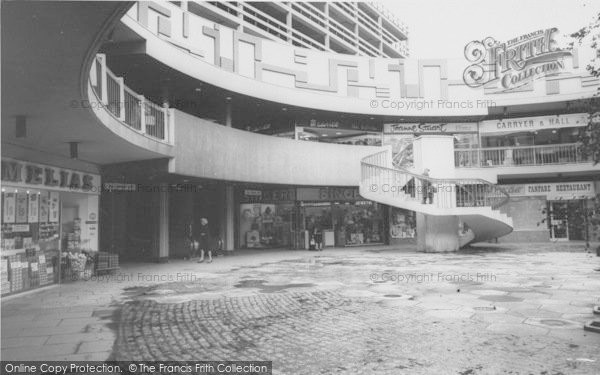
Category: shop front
[531,140]
[287,217]
[344,217]
[49,224]
[340,131]
[549,211]
[267,218]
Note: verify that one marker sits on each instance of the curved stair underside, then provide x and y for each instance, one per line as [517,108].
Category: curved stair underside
[474,201]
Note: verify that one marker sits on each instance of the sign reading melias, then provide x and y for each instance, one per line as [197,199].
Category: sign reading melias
[514,63]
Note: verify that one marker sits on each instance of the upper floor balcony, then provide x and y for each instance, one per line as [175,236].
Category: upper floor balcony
[128,107]
[520,156]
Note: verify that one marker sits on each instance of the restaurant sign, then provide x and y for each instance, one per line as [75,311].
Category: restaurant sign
[554,191]
[37,176]
[514,63]
[534,123]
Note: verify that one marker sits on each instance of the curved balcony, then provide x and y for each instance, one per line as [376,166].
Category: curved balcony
[45,77]
[293,76]
[128,107]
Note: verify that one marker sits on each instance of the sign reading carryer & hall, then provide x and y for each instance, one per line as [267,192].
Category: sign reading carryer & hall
[534,123]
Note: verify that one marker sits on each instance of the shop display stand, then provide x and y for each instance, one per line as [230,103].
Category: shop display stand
[106,263]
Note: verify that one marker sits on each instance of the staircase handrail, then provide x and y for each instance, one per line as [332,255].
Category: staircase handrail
[438,181]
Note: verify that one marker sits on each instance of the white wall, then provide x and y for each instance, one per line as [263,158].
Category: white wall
[206,149]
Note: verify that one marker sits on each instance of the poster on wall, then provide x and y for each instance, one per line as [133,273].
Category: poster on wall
[8,214]
[44,205]
[53,210]
[33,208]
[21,208]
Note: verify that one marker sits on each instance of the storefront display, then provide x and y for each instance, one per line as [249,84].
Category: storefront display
[403,223]
[267,218]
[38,203]
[342,211]
[287,218]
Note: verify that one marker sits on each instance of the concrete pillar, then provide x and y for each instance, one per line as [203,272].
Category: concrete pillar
[437,233]
[163,223]
[435,152]
[228,221]
[228,116]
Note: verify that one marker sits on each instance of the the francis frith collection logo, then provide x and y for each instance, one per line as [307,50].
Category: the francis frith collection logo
[514,63]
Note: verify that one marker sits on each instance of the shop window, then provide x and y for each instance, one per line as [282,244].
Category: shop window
[266,225]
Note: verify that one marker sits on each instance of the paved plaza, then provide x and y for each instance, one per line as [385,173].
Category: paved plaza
[499,309]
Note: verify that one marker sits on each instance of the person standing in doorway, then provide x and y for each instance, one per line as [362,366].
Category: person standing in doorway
[204,240]
[318,236]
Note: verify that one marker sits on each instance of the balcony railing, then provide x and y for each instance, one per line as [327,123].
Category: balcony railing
[566,153]
[446,193]
[126,105]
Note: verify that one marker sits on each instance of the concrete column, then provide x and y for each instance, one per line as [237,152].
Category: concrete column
[228,116]
[163,223]
[437,233]
[228,222]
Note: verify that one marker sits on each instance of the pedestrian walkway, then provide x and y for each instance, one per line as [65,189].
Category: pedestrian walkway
[350,310]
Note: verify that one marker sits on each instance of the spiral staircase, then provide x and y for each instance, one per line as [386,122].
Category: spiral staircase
[474,201]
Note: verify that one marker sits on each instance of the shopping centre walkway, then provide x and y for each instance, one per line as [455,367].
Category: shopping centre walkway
[347,311]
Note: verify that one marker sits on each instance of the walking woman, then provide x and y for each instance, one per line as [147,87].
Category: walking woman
[204,240]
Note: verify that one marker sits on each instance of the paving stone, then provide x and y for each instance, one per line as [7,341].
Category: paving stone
[16,342]
[72,338]
[97,346]
[338,322]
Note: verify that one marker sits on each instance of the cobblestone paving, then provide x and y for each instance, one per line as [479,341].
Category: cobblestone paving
[505,310]
[376,312]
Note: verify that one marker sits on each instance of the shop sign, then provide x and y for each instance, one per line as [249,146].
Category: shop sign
[534,123]
[514,63]
[20,228]
[118,186]
[338,124]
[33,175]
[252,193]
[328,194]
[554,191]
[277,195]
[430,128]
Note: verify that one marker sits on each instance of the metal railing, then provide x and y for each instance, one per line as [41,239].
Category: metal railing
[389,16]
[126,105]
[565,153]
[368,22]
[378,176]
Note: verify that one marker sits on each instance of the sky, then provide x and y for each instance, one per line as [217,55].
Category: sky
[442,28]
